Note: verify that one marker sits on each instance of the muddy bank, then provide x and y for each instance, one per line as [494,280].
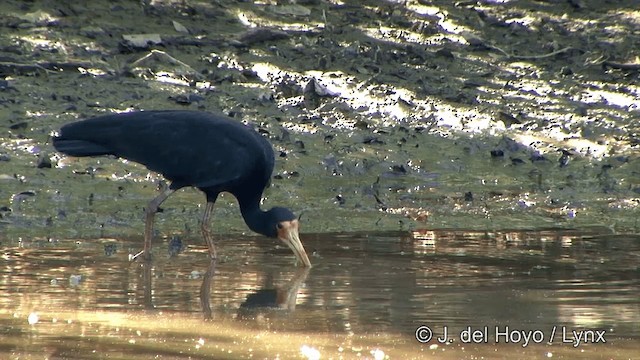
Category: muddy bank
[384,116]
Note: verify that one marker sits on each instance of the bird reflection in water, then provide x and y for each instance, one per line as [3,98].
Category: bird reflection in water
[281,297]
[205,291]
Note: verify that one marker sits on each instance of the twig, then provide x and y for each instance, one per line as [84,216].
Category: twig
[532,57]
[21,68]
[621,66]
[46,67]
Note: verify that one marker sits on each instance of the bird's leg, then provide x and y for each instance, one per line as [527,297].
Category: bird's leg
[150,212]
[206,232]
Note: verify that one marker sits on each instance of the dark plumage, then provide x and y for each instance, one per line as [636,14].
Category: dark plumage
[210,152]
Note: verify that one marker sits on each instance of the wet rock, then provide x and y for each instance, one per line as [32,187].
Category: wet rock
[607,182]
[289,87]
[285,136]
[71,98]
[510,145]
[497,153]
[175,246]
[474,83]
[566,71]
[361,124]
[22,196]
[252,75]
[372,140]
[74,280]
[44,162]
[137,42]
[186,99]
[508,119]
[179,27]
[196,274]
[476,42]
[259,35]
[290,10]
[38,18]
[564,158]
[92,32]
[399,169]
[536,156]
[110,249]
[19,126]
[445,53]
[535,176]
[313,91]
[576,4]
[5,85]
[332,164]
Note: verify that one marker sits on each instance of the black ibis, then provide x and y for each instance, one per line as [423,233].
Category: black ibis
[191,148]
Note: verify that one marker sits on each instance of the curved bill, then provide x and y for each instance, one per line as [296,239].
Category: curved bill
[288,233]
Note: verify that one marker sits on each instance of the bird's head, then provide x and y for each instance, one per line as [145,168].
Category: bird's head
[283,224]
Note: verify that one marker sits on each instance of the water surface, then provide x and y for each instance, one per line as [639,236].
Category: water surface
[365,297]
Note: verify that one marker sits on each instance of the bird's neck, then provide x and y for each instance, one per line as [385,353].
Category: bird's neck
[253,216]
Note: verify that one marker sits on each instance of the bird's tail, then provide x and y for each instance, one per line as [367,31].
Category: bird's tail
[79,147]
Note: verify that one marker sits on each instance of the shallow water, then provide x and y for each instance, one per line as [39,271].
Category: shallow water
[365,297]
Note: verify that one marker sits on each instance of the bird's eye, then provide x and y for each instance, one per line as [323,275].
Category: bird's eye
[279,226]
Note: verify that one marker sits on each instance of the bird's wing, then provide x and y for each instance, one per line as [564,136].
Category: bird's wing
[188,148]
